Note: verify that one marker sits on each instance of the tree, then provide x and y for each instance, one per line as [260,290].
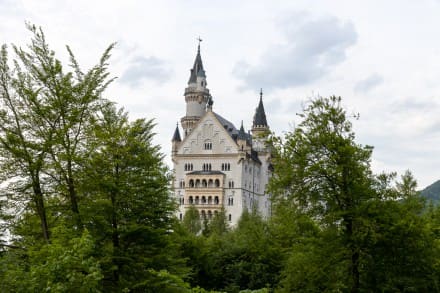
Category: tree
[320,167]
[129,208]
[191,220]
[370,235]
[45,112]
[218,225]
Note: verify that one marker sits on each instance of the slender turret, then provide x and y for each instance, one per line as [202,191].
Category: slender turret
[196,95]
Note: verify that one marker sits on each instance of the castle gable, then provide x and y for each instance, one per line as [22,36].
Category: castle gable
[212,135]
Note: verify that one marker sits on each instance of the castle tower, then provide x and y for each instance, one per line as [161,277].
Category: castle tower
[196,95]
[260,127]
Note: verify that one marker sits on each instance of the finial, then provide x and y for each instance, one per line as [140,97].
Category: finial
[261,93]
[200,40]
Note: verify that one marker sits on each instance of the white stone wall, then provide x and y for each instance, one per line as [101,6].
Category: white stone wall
[249,177]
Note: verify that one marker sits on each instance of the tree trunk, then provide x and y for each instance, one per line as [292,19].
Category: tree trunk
[41,210]
[72,195]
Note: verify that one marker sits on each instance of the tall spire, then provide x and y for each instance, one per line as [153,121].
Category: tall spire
[260,115]
[197,69]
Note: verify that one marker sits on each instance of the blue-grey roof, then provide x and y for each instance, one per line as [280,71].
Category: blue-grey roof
[232,130]
[260,114]
[241,134]
[176,136]
[197,69]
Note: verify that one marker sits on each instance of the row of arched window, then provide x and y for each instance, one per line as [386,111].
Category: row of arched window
[188,167]
[207,167]
[226,167]
[204,183]
[207,215]
[203,200]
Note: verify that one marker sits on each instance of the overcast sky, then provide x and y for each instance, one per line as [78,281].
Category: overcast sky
[382,57]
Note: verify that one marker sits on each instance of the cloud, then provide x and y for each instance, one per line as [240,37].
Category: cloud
[368,83]
[141,69]
[311,49]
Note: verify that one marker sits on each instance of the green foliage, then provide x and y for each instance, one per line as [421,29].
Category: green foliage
[218,225]
[191,220]
[129,208]
[81,165]
[65,265]
[368,235]
[87,201]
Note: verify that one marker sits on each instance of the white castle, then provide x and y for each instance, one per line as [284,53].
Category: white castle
[216,165]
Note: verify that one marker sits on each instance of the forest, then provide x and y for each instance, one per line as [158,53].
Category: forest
[86,200]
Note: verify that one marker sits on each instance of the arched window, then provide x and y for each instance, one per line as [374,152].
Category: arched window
[191,183]
[210,183]
[230,217]
[180,216]
[216,201]
[197,200]
[203,214]
[197,183]
[204,183]
[217,183]
[186,167]
[209,215]
[208,145]
[191,200]
[231,184]
[203,200]
[209,199]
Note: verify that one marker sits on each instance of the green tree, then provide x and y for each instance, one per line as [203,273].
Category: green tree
[129,207]
[322,169]
[43,117]
[65,265]
[191,220]
[218,225]
[368,235]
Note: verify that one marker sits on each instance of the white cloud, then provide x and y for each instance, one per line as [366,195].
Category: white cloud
[369,83]
[141,69]
[311,48]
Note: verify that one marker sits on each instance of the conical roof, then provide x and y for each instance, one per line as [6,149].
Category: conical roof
[176,136]
[260,114]
[197,69]
[241,133]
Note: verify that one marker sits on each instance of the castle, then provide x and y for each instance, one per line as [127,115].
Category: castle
[215,164]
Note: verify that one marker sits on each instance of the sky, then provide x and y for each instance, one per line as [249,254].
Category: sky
[381,57]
